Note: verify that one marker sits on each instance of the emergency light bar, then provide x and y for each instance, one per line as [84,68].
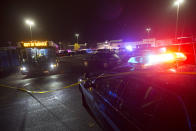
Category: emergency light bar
[165,58]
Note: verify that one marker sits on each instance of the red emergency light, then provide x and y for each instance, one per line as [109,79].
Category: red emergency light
[165,58]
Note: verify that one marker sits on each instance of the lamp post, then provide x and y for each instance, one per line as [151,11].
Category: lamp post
[177,3]
[77,35]
[148,31]
[30,23]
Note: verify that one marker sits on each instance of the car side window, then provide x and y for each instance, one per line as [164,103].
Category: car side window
[101,85]
[111,89]
[140,100]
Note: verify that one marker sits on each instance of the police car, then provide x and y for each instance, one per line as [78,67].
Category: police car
[140,100]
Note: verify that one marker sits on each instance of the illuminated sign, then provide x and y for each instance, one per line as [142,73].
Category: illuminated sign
[35,44]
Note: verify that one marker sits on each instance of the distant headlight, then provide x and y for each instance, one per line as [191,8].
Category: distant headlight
[53,66]
[23,68]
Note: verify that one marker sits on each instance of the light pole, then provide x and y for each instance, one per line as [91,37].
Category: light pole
[77,35]
[30,23]
[177,3]
[148,31]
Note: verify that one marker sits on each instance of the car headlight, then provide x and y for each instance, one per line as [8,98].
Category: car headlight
[52,66]
[23,68]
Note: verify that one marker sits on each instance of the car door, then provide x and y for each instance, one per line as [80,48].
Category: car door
[137,103]
[102,92]
[107,97]
[150,107]
[115,89]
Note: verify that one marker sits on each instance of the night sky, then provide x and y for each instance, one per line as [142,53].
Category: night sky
[95,20]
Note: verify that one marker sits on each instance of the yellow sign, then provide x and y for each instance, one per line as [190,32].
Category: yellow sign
[35,44]
[76,46]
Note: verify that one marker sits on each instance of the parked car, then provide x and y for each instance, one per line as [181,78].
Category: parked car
[102,61]
[137,102]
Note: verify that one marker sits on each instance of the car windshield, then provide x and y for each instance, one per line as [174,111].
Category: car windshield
[39,54]
[32,55]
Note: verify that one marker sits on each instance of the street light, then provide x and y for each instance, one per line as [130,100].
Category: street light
[77,35]
[177,3]
[148,31]
[30,23]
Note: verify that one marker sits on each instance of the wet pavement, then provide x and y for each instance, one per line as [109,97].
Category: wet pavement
[59,110]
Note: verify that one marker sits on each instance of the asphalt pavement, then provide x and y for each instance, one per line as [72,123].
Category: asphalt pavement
[59,110]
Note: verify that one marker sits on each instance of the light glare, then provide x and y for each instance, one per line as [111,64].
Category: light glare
[163,50]
[77,35]
[29,22]
[180,56]
[178,2]
[172,70]
[53,66]
[148,29]
[23,68]
[129,48]
[156,59]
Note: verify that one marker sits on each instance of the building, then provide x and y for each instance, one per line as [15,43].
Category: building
[116,44]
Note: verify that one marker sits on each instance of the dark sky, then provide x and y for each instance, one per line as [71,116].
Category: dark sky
[94,20]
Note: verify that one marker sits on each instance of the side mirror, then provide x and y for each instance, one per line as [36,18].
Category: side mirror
[88,83]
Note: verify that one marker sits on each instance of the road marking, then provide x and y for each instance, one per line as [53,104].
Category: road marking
[8,86]
[39,92]
[105,75]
